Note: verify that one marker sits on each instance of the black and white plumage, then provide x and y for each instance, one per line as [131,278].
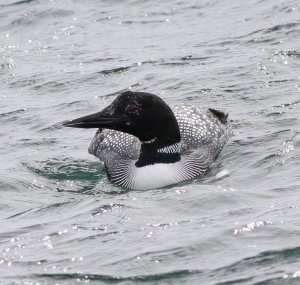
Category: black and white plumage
[145,144]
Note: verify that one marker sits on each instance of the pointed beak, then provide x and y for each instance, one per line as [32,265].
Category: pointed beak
[97,120]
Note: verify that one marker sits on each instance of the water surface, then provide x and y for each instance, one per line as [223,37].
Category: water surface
[63,222]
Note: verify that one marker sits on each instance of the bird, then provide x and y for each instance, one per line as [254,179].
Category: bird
[145,144]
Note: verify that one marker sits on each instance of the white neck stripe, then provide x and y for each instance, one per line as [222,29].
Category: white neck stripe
[174,148]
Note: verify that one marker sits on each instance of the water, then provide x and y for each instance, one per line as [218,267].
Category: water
[62,222]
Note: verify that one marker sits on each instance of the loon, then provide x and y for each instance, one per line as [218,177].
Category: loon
[144,144]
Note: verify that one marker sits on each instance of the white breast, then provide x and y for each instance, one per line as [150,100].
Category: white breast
[155,176]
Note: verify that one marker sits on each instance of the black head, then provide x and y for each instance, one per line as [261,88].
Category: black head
[143,115]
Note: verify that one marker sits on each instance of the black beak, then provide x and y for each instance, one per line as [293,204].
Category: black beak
[97,120]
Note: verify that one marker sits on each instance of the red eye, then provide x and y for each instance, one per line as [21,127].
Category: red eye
[131,109]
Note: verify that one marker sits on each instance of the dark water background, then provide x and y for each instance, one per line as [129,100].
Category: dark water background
[62,222]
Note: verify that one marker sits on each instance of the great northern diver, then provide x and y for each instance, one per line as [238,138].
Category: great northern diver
[145,144]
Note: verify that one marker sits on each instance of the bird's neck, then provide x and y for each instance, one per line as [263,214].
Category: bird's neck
[155,151]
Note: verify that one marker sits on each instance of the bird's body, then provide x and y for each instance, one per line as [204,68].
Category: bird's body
[153,155]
